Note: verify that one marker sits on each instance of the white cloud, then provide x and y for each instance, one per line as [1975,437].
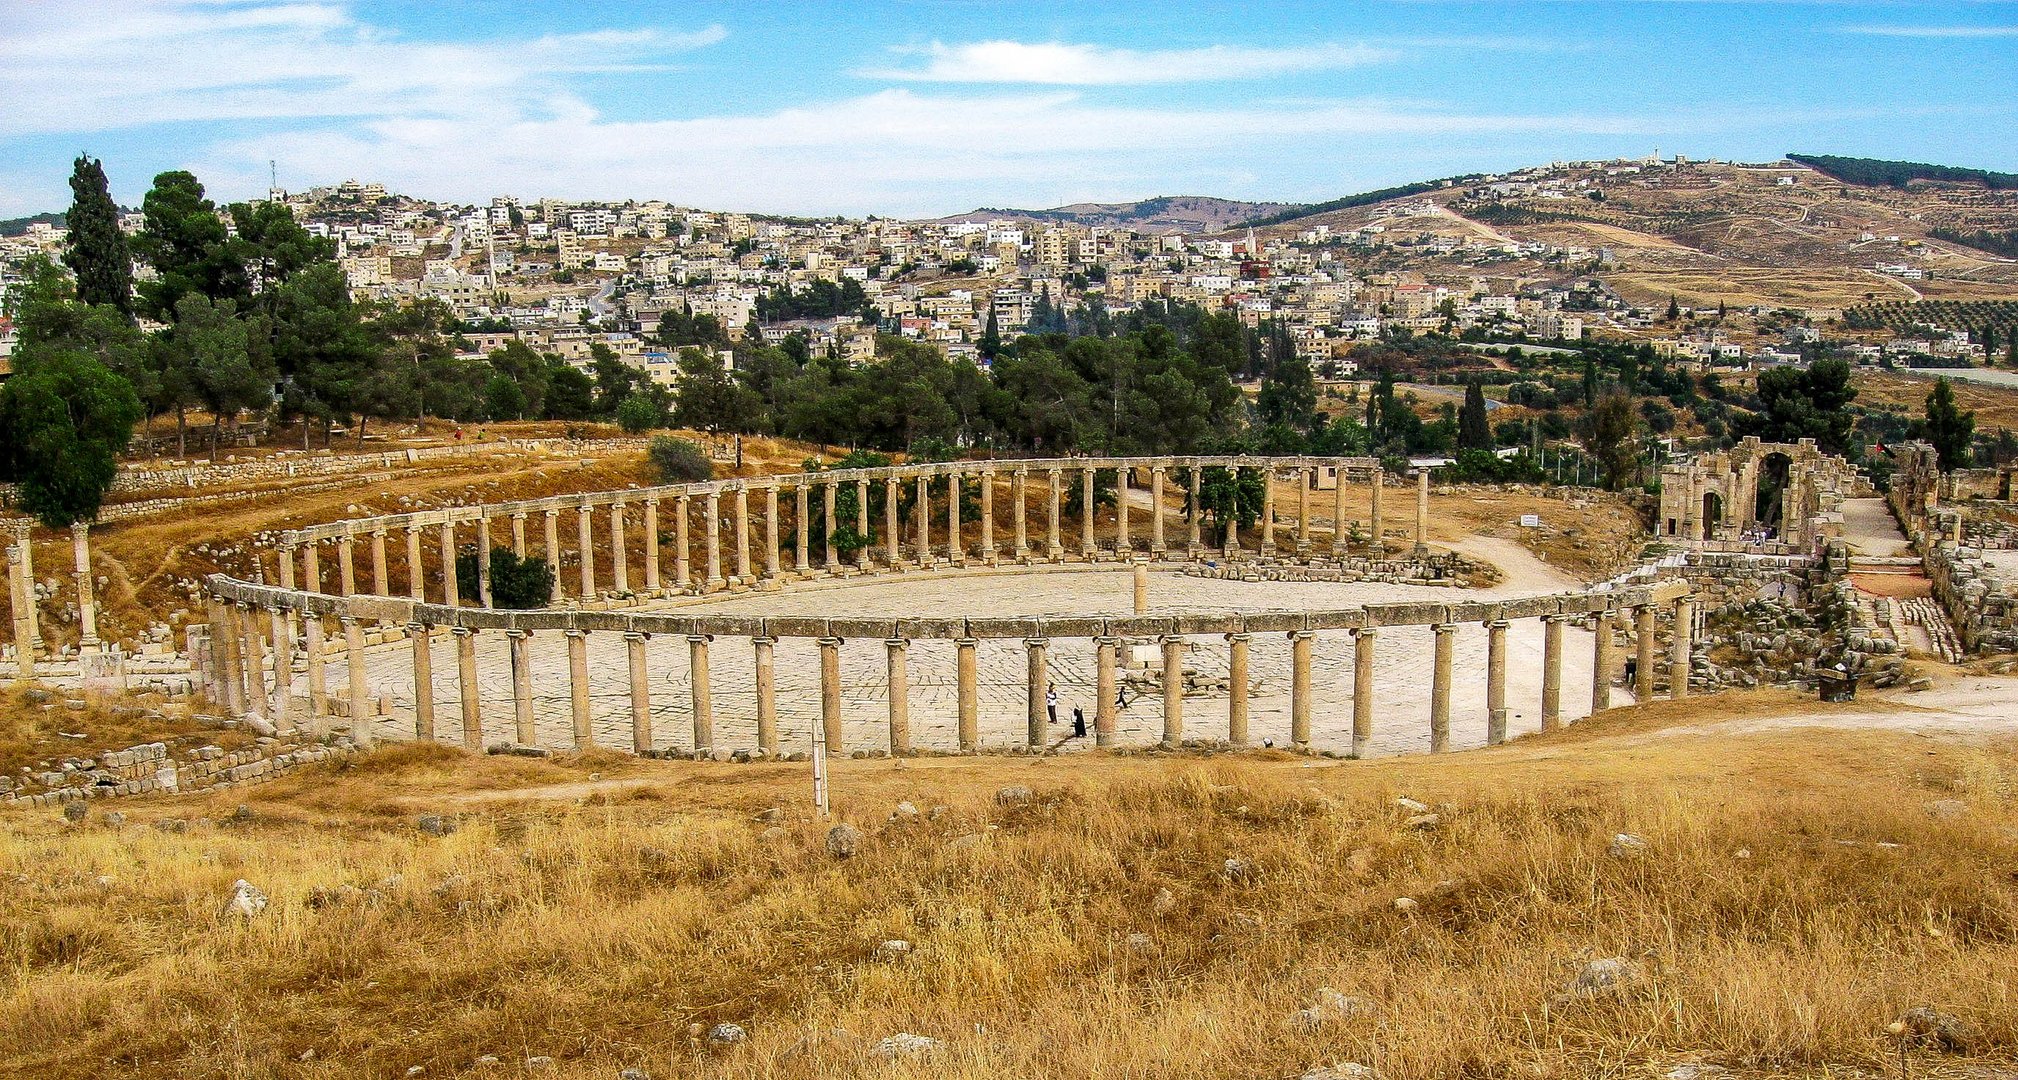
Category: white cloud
[100,65]
[1063,64]
[1934,31]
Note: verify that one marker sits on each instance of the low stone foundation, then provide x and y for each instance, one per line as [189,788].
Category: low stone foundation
[158,768]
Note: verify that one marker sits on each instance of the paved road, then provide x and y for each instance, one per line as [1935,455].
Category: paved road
[1869,529]
[1403,668]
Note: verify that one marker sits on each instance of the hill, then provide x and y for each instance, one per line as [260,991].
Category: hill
[1899,174]
[1164,213]
[17,226]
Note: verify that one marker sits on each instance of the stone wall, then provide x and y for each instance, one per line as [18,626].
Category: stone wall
[158,768]
[1981,599]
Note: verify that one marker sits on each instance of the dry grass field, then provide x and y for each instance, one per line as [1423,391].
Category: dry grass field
[1136,917]
[1995,406]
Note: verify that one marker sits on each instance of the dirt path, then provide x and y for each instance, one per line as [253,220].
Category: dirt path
[1520,572]
[1868,529]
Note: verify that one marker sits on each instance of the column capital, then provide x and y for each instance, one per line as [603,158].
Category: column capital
[1444,628]
[411,628]
[755,639]
[79,528]
[831,642]
[516,634]
[1242,635]
[1036,642]
[1106,641]
[575,632]
[897,643]
[518,515]
[699,639]
[966,642]
[1364,631]
[1301,635]
[1497,624]
[552,512]
[346,620]
[1171,639]
[463,631]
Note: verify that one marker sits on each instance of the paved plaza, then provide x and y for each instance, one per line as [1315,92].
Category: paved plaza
[1402,693]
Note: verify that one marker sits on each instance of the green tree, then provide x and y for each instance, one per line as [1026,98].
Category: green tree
[221,359]
[329,362]
[516,582]
[95,249]
[1797,404]
[1474,429]
[638,414]
[709,400]
[64,418]
[1611,436]
[1289,394]
[678,461]
[990,344]
[1947,427]
[184,239]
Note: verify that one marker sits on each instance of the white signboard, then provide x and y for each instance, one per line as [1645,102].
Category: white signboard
[1531,521]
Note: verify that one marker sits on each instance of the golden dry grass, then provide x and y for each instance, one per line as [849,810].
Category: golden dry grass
[1775,927]
[1995,406]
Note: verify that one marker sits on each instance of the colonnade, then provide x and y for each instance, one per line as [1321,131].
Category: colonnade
[730,554]
[252,638]
[27,625]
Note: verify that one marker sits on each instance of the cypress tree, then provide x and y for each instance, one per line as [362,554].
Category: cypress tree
[1947,427]
[1474,430]
[96,251]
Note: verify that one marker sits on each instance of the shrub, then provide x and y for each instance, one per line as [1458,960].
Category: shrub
[677,461]
[636,414]
[515,582]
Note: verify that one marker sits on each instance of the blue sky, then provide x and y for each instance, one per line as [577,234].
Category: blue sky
[936,106]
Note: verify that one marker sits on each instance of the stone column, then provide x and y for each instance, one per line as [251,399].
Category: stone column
[21,594]
[381,584]
[641,693]
[1495,682]
[967,676]
[361,706]
[87,605]
[1268,510]
[1378,480]
[1086,545]
[470,691]
[683,540]
[1173,690]
[900,697]
[892,536]
[225,645]
[1121,544]
[1236,689]
[704,702]
[483,561]
[1643,664]
[1362,690]
[1439,689]
[955,551]
[1338,509]
[620,556]
[1679,662]
[1552,671]
[287,566]
[802,525]
[1303,478]
[1037,728]
[451,589]
[282,623]
[924,514]
[1601,662]
[318,671]
[987,481]
[711,523]
[862,556]
[771,561]
[522,688]
[767,693]
[1156,481]
[519,533]
[551,537]
[578,686]
[255,656]
[421,637]
[586,538]
[830,694]
[652,546]
[24,536]
[1141,576]
[1233,517]
[416,581]
[1052,546]
[346,563]
[828,497]
[1019,485]
[1195,512]
[743,574]
[1422,511]
[1104,693]
[1299,688]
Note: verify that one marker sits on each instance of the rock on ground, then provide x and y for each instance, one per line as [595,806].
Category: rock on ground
[843,841]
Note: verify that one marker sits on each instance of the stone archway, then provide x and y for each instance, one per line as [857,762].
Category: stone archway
[1713,514]
[1774,482]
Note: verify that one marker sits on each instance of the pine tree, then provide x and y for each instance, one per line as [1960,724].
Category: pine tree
[96,251]
[1674,309]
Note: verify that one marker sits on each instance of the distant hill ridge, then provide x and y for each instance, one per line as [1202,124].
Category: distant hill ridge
[1163,212]
[1878,172]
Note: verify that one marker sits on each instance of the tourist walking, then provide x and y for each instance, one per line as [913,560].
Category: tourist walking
[1051,702]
